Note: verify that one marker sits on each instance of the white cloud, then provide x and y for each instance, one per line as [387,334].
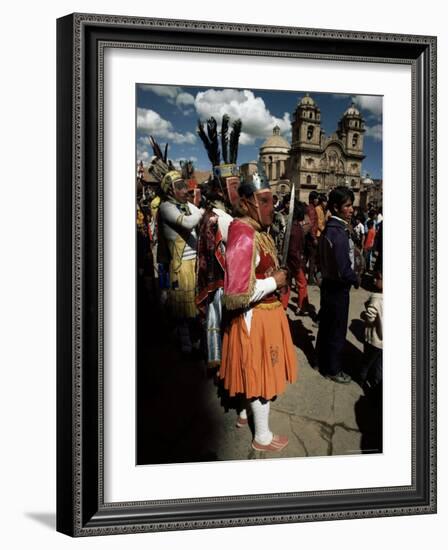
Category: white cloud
[258,122]
[375,132]
[170,92]
[143,155]
[246,139]
[183,98]
[173,94]
[143,150]
[369,103]
[177,161]
[152,123]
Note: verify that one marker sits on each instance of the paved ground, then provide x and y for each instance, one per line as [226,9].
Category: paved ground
[184,416]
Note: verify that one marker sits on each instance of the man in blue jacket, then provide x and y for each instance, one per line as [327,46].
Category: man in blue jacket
[336,252]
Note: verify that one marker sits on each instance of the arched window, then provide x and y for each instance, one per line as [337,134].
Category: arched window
[311,114]
[310,132]
[355,140]
[353,183]
[308,179]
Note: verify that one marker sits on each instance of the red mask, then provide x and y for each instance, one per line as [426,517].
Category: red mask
[265,207]
[262,207]
[232,184]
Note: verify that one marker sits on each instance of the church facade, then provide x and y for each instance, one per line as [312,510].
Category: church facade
[314,161]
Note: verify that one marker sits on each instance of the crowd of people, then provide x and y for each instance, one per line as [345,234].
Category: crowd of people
[215,251]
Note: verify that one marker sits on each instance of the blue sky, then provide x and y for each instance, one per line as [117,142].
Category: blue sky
[170,114]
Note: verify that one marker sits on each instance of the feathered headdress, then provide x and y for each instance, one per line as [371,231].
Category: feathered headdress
[161,168]
[229,146]
[210,140]
[234,140]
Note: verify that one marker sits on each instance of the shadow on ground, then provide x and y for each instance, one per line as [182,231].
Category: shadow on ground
[304,339]
[357,329]
[369,407]
[352,359]
[369,417]
[173,392]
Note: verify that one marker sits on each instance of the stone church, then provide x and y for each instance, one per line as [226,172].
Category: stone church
[314,161]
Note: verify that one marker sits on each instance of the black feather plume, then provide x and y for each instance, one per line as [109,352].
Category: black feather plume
[201,133]
[225,138]
[212,131]
[234,138]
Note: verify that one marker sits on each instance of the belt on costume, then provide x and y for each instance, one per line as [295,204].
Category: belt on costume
[268,305]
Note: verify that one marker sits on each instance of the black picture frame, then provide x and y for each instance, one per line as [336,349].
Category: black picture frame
[81,510]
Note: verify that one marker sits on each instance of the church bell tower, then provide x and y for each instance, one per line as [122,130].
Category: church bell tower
[306,125]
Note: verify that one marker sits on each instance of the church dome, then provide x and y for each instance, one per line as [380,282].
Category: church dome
[307,101]
[352,111]
[276,141]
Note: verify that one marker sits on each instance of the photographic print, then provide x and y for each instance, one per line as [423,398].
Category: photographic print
[259,273]
[220,335]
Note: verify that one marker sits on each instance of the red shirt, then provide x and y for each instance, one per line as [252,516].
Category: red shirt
[368,243]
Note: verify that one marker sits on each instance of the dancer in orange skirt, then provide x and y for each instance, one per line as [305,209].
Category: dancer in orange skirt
[258,356]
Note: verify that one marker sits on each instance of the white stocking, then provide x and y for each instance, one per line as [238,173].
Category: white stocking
[261,421]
